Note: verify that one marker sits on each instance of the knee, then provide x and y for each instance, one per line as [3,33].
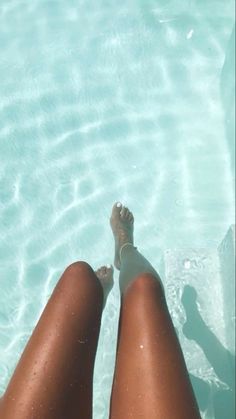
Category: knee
[146,282]
[80,275]
[78,269]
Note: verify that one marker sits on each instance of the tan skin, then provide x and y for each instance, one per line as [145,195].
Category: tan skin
[53,379]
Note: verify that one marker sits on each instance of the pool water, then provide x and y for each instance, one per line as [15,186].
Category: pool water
[114,102]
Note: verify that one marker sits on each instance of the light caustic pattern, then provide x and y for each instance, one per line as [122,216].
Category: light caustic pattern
[102,103]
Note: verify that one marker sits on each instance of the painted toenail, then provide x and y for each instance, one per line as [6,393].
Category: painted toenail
[118,205]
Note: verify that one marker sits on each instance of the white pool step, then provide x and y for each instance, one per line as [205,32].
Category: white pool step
[211,273]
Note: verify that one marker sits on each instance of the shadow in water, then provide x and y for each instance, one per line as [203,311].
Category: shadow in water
[222,361]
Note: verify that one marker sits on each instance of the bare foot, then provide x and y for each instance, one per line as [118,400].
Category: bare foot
[105,276]
[122,224]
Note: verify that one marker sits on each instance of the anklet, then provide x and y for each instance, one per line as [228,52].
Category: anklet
[126,244]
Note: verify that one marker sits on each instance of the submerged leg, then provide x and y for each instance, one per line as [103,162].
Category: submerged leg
[53,379]
[151,379]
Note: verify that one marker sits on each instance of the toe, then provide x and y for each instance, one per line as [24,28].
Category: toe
[123,212]
[131,217]
[105,270]
[117,207]
[116,210]
[111,270]
[127,212]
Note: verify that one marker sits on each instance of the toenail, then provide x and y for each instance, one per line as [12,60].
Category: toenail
[118,205]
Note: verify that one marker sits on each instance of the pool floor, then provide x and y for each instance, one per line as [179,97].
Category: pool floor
[115,102]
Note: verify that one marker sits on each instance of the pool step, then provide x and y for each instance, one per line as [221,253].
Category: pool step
[194,274]
[211,273]
[200,291]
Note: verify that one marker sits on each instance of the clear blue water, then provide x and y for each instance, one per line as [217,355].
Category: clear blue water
[104,103]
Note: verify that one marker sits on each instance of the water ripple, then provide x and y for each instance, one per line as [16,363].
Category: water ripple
[95,109]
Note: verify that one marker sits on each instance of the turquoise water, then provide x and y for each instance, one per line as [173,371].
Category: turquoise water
[105,103]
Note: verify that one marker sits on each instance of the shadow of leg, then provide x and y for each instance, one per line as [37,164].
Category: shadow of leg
[201,390]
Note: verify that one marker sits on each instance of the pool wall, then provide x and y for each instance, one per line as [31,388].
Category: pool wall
[228,96]
[227,266]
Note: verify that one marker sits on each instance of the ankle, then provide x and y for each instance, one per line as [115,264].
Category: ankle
[127,245]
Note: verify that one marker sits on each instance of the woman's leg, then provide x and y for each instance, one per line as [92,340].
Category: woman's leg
[53,379]
[151,379]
